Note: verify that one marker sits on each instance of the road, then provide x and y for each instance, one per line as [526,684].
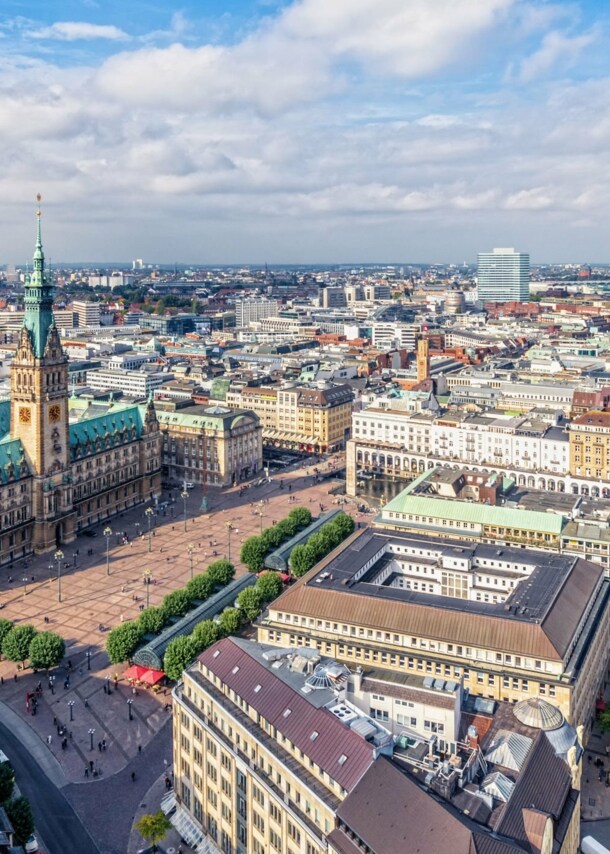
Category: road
[59,826]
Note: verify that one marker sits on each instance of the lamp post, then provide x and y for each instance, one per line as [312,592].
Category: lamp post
[260,513]
[147,575]
[107,534]
[88,654]
[59,556]
[184,495]
[71,705]
[51,684]
[25,586]
[149,514]
[91,734]
[129,704]
[191,550]
[229,529]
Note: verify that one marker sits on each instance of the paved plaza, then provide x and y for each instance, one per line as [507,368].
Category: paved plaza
[90,597]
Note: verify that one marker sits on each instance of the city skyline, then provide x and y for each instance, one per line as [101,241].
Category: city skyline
[278,133]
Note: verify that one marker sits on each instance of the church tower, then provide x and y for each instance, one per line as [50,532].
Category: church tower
[423,360]
[39,409]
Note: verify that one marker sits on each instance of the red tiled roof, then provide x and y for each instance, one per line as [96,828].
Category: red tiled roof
[274,697]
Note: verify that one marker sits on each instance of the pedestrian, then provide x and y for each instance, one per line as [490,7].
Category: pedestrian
[49,739]
[91,765]
[86,702]
[1,680]
[54,721]
[86,772]
[99,746]
[133,776]
[15,677]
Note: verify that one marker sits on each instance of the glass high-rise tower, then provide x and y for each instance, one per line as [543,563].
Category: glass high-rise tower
[503,276]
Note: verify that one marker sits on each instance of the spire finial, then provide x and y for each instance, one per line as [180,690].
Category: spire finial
[38,229]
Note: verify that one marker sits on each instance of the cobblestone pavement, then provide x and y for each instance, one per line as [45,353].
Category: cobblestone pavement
[91,597]
[595,795]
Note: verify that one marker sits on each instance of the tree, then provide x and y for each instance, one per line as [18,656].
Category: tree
[249,602]
[20,816]
[253,553]
[178,655]
[176,604]
[122,641]
[229,622]
[152,620]
[200,586]
[46,650]
[204,634]
[5,627]
[221,572]
[275,536]
[7,781]
[269,585]
[153,827]
[604,719]
[344,524]
[301,516]
[301,560]
[16,643]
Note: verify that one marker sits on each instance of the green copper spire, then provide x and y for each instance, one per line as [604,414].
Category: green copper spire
[38,297]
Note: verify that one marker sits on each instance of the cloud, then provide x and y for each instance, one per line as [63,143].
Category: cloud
[70,31]
[557,48]
[534,199]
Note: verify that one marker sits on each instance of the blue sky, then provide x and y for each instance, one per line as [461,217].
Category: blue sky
[305,131]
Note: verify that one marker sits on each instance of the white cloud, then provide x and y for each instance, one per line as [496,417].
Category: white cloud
[556,49]
[534,199]
[70,31]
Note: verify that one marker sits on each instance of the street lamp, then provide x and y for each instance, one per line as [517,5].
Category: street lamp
[191,550]
[51,686]
[91,734]
[147,575]
[71,705]
[260,513]
[25,586]
[129,704]
[149,514]
[184,494]
[229,529]
[107,534]
[88,654]
[59,556]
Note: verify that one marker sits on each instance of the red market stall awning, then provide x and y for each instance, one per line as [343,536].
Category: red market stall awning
[151,677]
[136,671]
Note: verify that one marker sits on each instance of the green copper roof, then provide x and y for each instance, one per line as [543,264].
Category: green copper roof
[210,418]
[13,465]
[5,418]
[117,426]
[464,511]
[38,299]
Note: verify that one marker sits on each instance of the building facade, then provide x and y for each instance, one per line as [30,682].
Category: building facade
[60,476]
[503,275]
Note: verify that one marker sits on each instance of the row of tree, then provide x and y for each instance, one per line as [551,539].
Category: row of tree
[255,549]
[303,557]
[18,809]
[125,639]
[20,643]
[250,602]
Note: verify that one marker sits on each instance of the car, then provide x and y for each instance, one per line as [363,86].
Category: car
[189,485]
[31,845]
[90,533]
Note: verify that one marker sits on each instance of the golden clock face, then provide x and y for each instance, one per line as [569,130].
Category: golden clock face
[25,416]
[54,412]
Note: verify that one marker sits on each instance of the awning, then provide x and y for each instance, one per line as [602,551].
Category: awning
[151,677]
[136,671]
[187,828]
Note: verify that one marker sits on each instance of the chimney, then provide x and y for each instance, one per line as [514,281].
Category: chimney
[473,736]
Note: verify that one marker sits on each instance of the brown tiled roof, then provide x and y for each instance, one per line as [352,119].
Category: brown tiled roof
[429,621]
[594,418]
[242,673]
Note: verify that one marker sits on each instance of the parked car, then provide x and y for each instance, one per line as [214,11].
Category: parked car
[90,533]
[31,845]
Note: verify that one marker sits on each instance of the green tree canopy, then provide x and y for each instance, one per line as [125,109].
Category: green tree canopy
[153,827]
[301,516]
[152,620]
[221,571]
[46,650]
[204,634]
[7,780]
[249,602]
[302,558]
[200,586]
[269,585]
[20,816]
[178,655]
[344,524]
[16,643]
[5,627]
[253,554]
[176,604]
[123,641]
[229,622]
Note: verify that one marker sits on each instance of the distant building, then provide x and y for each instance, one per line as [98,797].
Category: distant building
[88,313]
[254,308]
[333,297]
[137,384]
[503,275]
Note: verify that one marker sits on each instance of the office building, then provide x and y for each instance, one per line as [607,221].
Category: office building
[88,313]
[503,275]
[254,308]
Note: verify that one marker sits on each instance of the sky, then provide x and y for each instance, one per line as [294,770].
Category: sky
[305,131]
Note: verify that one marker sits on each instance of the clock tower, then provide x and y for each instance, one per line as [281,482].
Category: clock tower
[39,409]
